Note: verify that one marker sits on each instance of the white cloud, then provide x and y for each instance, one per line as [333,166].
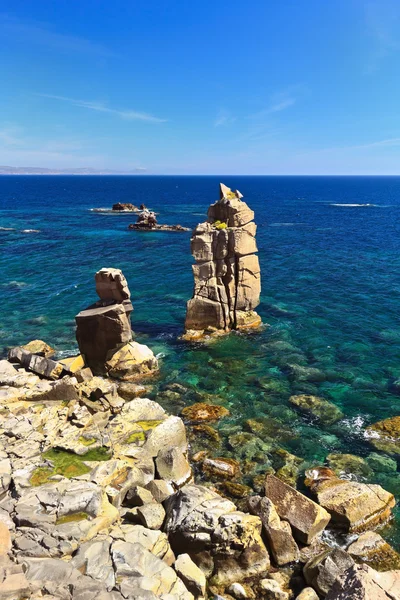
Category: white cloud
[41,34]
[130,115]
[223,118]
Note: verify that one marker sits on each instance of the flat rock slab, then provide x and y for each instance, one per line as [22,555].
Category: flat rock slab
[305,516]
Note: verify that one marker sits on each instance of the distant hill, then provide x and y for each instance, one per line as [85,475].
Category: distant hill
[5,170]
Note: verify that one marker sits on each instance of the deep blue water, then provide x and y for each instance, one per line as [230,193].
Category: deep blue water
[334,269]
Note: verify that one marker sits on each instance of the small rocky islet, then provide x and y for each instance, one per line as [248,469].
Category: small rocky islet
[104,493]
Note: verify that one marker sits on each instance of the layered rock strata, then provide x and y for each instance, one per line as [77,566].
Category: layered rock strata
[227,280]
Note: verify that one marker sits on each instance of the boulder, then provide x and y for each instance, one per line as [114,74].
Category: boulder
[137,570]
[173,467]
[306,518]
[323,410]
[308,593]
[385,435]
[160,489]
[221,468]
[322,571]
[191,575]
[111,284]
[227,272]
[73,364]
[204,413]
[93,559]
[370,548]
[277,533]
[271,590]
[353,506]
[39,347]
[101,329]
[151,515]
[153,540]
[221,540]
[363,583]
[45,367]
[130,361]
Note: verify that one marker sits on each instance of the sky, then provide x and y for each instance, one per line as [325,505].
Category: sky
[201,87]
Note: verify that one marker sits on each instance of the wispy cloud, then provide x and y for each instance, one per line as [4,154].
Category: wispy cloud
[386,143]
[224,117]
[130,115]
[278,102]
[33,32]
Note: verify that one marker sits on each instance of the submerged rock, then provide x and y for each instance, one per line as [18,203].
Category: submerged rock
[349,464]
[321,409]
[385,435]
[227,272]
[202,412]
[372,549]
[305,516]
[354,506]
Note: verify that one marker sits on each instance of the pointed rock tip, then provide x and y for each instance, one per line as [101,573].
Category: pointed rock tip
[225,192]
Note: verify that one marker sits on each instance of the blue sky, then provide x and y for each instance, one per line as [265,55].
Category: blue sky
[213,87]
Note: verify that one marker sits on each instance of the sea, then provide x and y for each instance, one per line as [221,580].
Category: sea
[329,250]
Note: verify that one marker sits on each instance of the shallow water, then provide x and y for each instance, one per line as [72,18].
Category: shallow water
[330,280]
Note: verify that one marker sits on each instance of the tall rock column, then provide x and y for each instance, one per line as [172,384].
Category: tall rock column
[104,333]
[227,280]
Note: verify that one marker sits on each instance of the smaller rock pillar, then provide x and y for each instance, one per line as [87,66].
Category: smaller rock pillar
[105,325]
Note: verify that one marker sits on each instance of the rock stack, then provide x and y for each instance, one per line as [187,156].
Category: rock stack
[227,281]
[104,331]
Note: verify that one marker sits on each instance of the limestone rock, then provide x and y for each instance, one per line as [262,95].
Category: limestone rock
[112,285]
[272,590]
[370,548]
[227,272]
[360,582]
[130,361]
[39,347]
[93,559]
[278,533]
[173,467]
[5,539]
[153,540]
[138,570]
[221,468]
[73,364]
[101,329]
[208,527]
[305,516]
[385,435]
[321,409]
[354,506]
[204,413]
[308,593]
[322,571]
[152,515]
[160,489]
[45,367]
[191,575]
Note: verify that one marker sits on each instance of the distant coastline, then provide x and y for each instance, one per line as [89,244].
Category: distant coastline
[6,170]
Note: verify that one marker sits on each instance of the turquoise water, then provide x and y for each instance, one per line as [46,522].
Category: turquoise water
[331,293]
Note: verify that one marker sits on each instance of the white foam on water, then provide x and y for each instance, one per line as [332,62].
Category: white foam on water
[30,231]
[353,205]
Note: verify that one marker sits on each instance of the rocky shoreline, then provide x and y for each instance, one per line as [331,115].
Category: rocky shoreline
[101,496]
[105,494]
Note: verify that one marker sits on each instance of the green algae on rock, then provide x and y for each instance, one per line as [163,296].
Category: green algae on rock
[66,464]
[202,412]
[385,435]
[72,518]
[317,407]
